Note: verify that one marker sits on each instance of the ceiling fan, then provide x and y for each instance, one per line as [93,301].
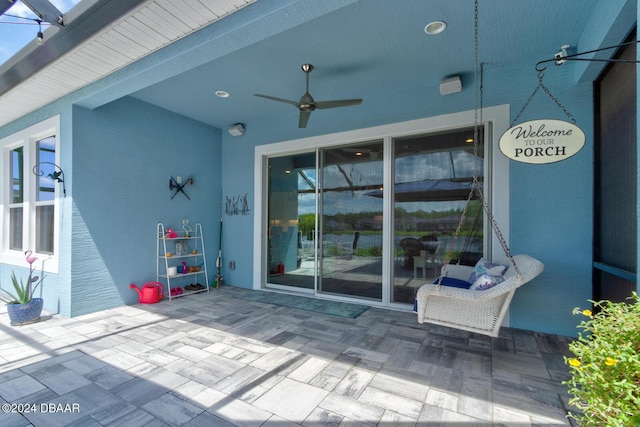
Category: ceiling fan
[307,104]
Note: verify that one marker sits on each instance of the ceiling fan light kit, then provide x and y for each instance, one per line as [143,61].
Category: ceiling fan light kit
[307,104]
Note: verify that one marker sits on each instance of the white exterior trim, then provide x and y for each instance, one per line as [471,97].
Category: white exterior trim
[27,138]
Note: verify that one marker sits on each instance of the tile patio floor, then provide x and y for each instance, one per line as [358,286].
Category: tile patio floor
[217,360]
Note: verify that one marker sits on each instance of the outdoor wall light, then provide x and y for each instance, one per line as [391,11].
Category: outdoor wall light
[236,130]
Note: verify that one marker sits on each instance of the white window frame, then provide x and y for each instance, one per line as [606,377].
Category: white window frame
[28,139]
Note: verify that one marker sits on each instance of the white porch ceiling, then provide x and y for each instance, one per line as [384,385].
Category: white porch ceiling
[149,27]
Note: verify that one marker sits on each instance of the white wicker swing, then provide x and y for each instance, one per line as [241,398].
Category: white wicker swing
[471,310]
[480,311]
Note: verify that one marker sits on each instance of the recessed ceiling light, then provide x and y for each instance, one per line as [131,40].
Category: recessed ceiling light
[435,27]
[222,94]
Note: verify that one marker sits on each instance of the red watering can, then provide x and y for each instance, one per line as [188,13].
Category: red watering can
[151,292]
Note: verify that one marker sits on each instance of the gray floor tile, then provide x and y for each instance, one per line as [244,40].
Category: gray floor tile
[216,360]
[65,381]
[208,420]
[354,382]
[291,400]
[172,410]
[352,409]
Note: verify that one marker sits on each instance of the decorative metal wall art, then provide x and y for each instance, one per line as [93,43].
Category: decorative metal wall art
[236,205]
[57,174]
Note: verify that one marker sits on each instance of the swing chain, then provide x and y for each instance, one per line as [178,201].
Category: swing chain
[498,232]
[478,104]
[448,255]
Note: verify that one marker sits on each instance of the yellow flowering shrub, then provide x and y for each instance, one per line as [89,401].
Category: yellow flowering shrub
[605,370]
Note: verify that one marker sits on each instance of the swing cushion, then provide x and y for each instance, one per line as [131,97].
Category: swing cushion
[484,267]
[486,275]
[453,282]
[486,281]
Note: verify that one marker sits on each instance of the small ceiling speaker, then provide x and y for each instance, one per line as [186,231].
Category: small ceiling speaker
[236,130]
[450,85]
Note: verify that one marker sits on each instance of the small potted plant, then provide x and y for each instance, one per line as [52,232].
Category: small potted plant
[22,307]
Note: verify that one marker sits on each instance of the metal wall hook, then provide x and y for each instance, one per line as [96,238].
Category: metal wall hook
[56,175]
[562,57]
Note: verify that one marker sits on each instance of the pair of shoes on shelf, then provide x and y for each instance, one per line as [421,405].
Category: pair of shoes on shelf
[196,287]
[176,291]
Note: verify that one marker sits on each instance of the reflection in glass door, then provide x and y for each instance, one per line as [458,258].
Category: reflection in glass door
[325,216]
[432,179]
[291,221]
[350,256]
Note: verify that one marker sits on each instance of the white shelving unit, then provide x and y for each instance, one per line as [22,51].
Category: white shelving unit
[194,256]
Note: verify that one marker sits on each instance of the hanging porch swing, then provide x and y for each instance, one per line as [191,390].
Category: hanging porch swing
[480,309]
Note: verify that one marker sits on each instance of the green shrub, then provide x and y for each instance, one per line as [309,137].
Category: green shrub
[605,369]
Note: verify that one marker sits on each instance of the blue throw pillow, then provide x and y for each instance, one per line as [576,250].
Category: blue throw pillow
[486,281]
[483,267]
[454,283]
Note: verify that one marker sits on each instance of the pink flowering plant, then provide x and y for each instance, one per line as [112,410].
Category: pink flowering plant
[605,370]
[23,291]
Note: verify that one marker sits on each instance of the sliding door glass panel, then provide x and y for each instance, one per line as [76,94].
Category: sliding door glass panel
[350,256]
[291,221]
[432,180]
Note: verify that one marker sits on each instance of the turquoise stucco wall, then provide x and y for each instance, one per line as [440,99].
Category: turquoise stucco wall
[56,288]
[124,155]
[552,220]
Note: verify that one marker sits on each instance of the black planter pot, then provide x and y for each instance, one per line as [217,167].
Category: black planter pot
[24,314]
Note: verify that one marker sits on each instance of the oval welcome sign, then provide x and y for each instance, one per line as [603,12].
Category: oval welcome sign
[542,141]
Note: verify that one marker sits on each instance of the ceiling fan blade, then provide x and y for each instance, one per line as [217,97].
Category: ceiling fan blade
[304,118]
[273,98]
[337,103]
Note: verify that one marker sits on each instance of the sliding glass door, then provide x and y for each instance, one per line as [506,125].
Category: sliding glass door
[432,180]
[330,218]
[291,221]
[351,221]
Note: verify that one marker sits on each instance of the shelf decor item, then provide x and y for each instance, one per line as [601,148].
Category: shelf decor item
[177,270]
[22,307]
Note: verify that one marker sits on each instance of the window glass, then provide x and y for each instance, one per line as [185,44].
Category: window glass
[15,233]
[46,157]
[16,190]
[45,194]
[17,181]
[44,229]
